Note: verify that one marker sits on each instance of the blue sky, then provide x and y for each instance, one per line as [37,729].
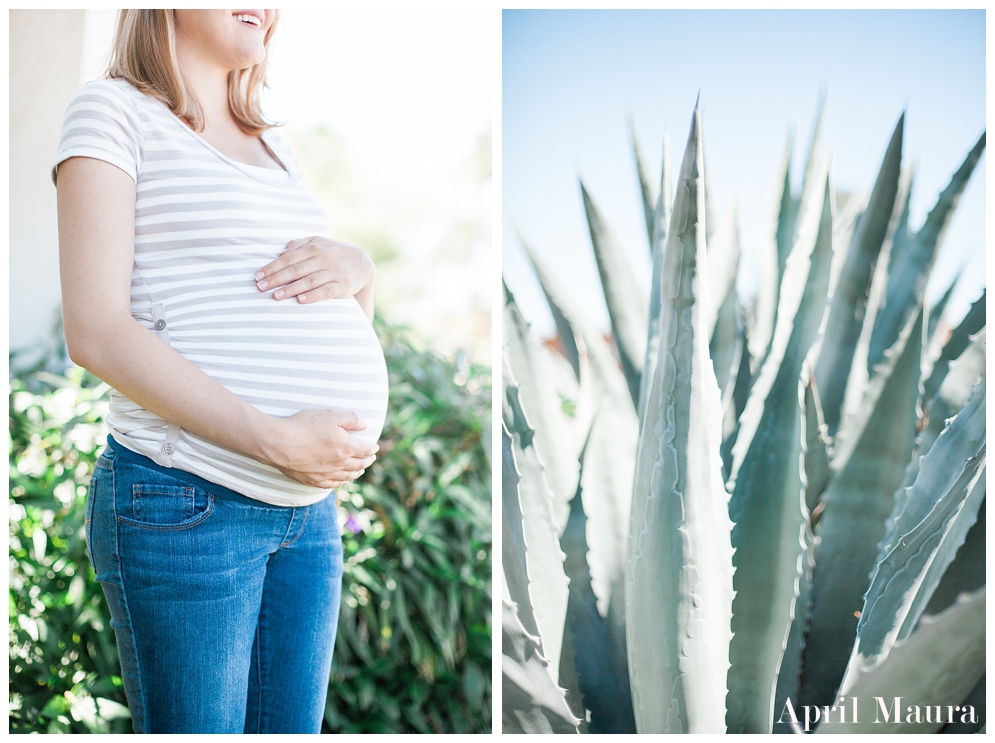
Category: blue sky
[569,77]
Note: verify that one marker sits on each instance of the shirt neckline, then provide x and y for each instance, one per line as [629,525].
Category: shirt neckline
[279,177]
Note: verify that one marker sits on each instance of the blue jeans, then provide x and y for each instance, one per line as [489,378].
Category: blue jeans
[224,608]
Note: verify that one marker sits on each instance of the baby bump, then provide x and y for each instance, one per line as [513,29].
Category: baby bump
[284,357]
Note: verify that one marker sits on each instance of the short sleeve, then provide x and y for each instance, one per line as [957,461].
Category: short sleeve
[102,122]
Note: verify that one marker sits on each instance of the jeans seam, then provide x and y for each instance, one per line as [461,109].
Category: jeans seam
[127,610]
[259,678]
[300,532]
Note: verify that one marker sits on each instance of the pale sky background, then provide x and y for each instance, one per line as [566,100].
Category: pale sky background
[570,76]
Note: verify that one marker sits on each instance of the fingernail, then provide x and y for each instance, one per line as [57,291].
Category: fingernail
[302,298]
[262,284]
[279,293]
[258,275]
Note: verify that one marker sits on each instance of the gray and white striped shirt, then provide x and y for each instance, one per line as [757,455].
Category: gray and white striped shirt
[204,224]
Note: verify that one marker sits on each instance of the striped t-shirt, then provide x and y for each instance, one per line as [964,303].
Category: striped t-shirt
[204,224]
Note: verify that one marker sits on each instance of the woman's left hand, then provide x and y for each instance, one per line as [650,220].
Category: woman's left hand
[317,268]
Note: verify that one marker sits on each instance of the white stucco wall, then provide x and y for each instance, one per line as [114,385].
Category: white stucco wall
[51,53]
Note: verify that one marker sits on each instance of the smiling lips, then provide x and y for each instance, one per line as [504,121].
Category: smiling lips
[250,18]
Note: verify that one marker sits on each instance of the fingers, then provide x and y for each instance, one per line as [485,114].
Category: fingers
[347,419]
[297,244]
[289,266]
[316,268]
[313,288]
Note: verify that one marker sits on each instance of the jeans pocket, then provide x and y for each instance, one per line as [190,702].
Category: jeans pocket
[151,500]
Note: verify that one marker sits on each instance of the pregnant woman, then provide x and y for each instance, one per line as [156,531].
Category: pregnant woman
[200,282]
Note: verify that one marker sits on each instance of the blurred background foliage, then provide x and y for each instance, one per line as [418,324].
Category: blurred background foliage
[413,652]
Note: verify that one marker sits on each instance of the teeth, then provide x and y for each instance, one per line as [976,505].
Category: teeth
[246,18]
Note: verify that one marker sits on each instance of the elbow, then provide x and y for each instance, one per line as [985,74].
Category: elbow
[79,347]
[86,340]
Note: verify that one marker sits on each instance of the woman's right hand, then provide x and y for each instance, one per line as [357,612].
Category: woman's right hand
[316,447]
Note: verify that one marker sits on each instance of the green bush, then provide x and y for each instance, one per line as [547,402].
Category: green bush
[413,652]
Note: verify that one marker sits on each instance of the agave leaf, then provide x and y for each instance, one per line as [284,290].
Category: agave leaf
[954,394]
[531,702]
[679,587]
[849,302]
[937,310]
[628,307]
[859,378]
[817,469]
[724,347]
[568,677]
[910,269]
[530,363]
[603,388]
[938,469]
[856,506]
[769,261]
[946,551]
[529,524]
[649,192]
[564,327]
[850,209]
[606,485]
[513,559]
[767,504]
[955,390]
[789,674]
[604,690]
[976,699]
[723,265]
[734,406]
[973,321]
[967,572]
[603,365]
[905,579]
[812,180]
[937,666]
[709,213]
[661,224]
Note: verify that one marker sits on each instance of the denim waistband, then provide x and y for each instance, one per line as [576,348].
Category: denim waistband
[120,450]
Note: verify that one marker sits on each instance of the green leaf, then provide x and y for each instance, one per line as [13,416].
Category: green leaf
[955,390]
[530,362]
[849,302]
[967,572]
[604,684]
[628,307]
[661,224]
[531,702]
[531,553]
[910,269]
[871,457]
[609,459]
[972,322]
[937,666]
[771,257]
[767,504]
[680,578]
[648,191]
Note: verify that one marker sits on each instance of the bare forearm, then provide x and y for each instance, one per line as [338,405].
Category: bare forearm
[143,368]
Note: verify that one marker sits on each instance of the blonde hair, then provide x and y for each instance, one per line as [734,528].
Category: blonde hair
[145,55]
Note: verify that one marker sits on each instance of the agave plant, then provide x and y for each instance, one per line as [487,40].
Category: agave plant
[749,516]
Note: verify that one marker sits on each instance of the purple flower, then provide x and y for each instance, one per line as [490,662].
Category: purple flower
[352,525]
